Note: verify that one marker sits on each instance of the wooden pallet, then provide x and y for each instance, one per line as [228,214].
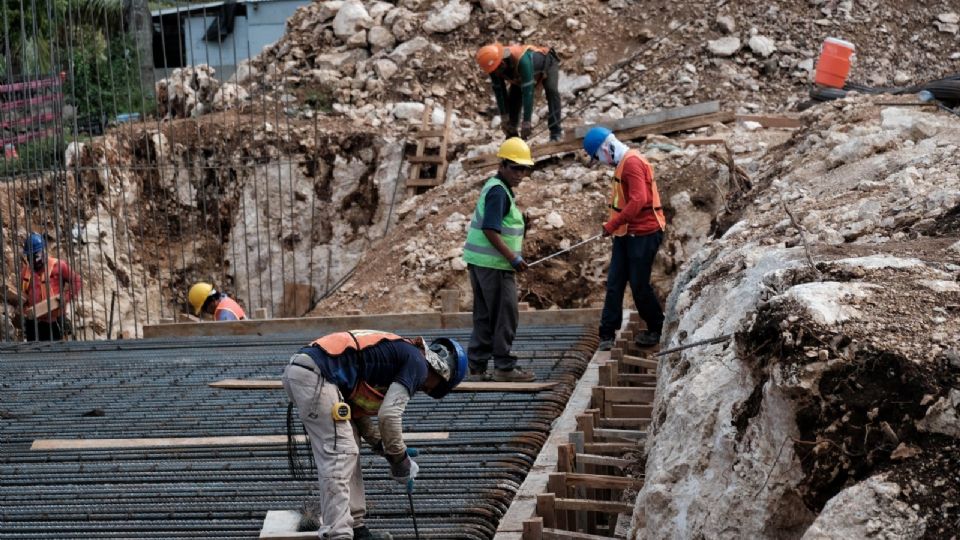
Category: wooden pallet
[420,162]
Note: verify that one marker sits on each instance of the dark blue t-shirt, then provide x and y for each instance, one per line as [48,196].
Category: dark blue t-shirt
[495,205]
[383,364]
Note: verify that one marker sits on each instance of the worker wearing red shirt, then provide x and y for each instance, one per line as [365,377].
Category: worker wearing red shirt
[637,224]
[48,285]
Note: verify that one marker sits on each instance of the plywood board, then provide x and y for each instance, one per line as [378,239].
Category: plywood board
[168,442]
[654,117]
[270,384]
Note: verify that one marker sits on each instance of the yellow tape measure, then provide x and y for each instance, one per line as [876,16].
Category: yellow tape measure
[341,412]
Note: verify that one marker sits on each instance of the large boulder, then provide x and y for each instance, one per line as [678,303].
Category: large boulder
[452,16]
[351,18]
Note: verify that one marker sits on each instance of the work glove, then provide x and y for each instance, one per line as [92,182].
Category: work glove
[526,130]
[606,233]
[518,264]
[404,472]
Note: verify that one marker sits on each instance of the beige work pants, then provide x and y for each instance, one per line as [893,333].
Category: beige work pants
[335,449]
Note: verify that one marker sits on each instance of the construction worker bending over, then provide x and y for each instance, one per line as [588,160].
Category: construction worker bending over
[492,254]
[203,297]
[522,67]
[48,285]
[338,383]
[637,224]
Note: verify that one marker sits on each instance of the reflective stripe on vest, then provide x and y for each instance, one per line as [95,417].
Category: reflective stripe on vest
[516,53]
[228,304]
[478,251]
[617,198]
[365,400]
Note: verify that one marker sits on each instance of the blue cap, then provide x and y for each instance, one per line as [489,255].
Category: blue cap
[593,140]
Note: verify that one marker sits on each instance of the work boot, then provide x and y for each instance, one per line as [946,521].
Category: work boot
[647,338]
[513,375]
[479,376]
[556,136]
[363,533]
[605,344]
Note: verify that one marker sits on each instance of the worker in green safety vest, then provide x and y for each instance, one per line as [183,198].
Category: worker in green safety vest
[492,254]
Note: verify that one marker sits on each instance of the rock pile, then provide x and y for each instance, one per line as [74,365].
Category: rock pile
[193,91]
[841,290]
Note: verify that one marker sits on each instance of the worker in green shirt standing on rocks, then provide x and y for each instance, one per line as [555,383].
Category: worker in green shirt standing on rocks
[515,71]
[492,254]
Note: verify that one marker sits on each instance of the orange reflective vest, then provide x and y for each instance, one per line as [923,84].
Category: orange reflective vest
[516,53]
[35,290]
[617,198]
[230,305]
[365,400]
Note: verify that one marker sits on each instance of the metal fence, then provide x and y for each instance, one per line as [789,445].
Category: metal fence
[121,191]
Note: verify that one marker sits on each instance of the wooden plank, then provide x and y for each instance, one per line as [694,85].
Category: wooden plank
[639,361]
[467,386]
[171,442]
[449,300]
[706,141]
[771,120]
[565,459]
[297,299]
[602,481]
[425,159]
[603,461]
[557,485]
[629,394]
[629,434]
[654,117]
[42,308]
[319,326]
[645,379]
[625,423]
[546,509]
[585,426]
[560,534]
[620,410]
[616,448]
[587,505]
[533,529]
[549,149]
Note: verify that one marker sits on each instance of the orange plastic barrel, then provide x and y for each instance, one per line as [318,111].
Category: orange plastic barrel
[834,63]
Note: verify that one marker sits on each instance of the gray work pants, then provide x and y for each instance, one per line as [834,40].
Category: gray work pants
[494,318]
[336,449]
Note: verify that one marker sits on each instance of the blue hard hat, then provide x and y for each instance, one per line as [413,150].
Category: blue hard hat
[594,139]
[456,358]
[33,244]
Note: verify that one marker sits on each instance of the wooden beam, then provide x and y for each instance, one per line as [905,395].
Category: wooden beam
[602,481]
[533,529]
[620,410]
[603,461]
[273,384]
[450,300]
[549,149]
[42,308]
[639,361]
[297,299]
[625,423]
[654,117]
[636,378]
[616,448]
[771,120]
[546,509]
[705,141]
[587,505]
[629,434]
[560,534]
[170,442]
[629,394]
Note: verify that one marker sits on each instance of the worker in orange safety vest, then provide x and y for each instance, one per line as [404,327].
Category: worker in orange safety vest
[203,297]
[637,224]
[48,285]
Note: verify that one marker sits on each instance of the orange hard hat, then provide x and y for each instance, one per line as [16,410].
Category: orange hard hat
[490,56]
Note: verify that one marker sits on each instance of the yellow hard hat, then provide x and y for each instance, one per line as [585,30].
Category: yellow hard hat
[515,150]
[490,56]
[198,295]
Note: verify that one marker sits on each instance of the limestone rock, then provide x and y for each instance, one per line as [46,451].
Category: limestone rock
[568,85]
[408,48]
[452,16]
[943,417]
[380,38]
[385,68]
[869,509]
[351,18]
[762,45]
[726,24]
[725,46]
[554,220]
[327,10]
[408,111]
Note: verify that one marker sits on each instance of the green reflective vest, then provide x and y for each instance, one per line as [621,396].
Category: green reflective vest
[478,250]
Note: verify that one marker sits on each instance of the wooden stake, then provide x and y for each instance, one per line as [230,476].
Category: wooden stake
[533,529]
